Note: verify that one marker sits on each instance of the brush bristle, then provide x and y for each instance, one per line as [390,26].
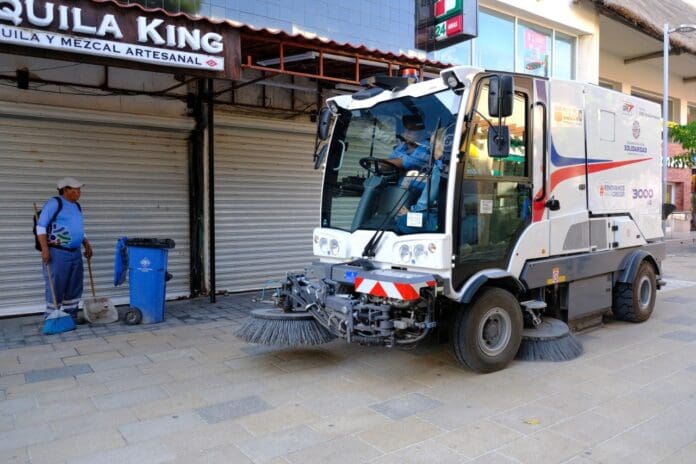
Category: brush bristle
[279,332]
[562,348]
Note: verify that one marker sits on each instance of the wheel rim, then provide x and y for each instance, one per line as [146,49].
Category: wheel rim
[495,331]
[644,292]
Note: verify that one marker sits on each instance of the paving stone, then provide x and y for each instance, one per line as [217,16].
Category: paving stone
[680,335]
[545,446]
[130,398]
[428,452]
[479,438]
[96,420]
[407,405]
[281,443]
[145,452]
[15,456]
[232,409]
[43,375]
[153,428]
[16,405]
[21,437]
[678,298]
[138,381]
[344,450]
[55,411]
[682,320]
[400,434]
[285,416]
[92,358]
[68,447]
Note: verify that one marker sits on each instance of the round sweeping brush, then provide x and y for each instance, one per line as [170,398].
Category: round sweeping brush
[273,326]
[550,341]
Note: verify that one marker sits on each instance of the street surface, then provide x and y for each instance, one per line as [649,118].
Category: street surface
[188,391]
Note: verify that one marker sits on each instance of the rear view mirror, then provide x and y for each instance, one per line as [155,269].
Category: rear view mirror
[501,96]
[320,156]
[323,123]
[499,142]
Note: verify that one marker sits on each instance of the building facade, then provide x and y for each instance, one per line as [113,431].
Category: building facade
[240,196]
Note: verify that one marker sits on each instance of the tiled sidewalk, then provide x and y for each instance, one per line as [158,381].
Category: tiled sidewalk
[188,391]
[26,331]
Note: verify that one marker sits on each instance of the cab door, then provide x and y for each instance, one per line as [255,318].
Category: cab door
[494,193]
[569,225]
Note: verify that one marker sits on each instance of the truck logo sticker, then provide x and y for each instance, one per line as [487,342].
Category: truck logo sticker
[636,129]
[633,148]
[628,108]
[642,193]
[612,190]
[575,167]
[567,115]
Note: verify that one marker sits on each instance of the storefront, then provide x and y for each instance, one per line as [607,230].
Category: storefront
[122,98]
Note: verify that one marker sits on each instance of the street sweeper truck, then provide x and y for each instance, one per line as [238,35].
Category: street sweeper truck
[510,210]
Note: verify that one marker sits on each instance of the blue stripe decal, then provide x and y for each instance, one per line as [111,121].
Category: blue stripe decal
[558,160]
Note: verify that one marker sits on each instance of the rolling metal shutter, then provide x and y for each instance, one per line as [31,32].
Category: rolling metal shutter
[267,199]
[135,170]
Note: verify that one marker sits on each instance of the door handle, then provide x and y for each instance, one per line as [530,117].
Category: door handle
[553,204]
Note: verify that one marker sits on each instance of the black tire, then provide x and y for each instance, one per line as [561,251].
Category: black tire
[133,317]
[486,335]
[635,302]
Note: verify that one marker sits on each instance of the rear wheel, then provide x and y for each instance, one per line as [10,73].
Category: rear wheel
[485,336]
[634,302]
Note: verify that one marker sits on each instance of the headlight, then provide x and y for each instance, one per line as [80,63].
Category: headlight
[324,245]
[333,246]
[419,251]
[405,253]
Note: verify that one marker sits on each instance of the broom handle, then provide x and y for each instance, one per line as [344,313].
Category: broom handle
[91,278]
[48,267]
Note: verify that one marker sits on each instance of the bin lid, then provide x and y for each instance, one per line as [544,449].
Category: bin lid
[120,261]
[150,242]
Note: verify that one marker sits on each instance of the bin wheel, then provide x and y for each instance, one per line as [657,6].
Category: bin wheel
[133,317]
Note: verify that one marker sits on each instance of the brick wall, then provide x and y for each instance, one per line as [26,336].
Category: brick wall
[682,179]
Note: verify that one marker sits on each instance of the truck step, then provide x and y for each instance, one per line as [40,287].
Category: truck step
[534,304]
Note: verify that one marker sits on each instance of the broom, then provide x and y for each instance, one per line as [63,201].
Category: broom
[98,310]
[57,321]
[273,326]
[550,340]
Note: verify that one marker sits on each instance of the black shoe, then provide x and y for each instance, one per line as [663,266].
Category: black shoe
[79,318]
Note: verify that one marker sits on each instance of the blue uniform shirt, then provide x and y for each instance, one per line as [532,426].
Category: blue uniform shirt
[417,159]
[68,229]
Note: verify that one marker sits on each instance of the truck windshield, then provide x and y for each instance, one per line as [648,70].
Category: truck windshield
[388,165]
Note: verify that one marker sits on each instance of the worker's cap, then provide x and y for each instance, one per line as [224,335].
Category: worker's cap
[413,122]
[69,182]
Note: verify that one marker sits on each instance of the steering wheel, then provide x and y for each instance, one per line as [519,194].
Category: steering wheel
[380,167]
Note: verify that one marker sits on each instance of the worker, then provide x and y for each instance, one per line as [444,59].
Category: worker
[413,152]
[60,233]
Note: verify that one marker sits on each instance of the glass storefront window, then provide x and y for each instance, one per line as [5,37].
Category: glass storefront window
[506,45]
[691,114]
[564,57]
[533,50]
[457,54]
[495,45]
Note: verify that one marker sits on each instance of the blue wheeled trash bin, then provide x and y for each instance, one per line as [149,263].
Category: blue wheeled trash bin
[146,261]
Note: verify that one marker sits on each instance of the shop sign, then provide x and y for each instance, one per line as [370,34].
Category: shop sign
[440,23]
[107,31]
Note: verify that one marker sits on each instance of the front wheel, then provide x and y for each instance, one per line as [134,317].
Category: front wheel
[487,335]
[635,302]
